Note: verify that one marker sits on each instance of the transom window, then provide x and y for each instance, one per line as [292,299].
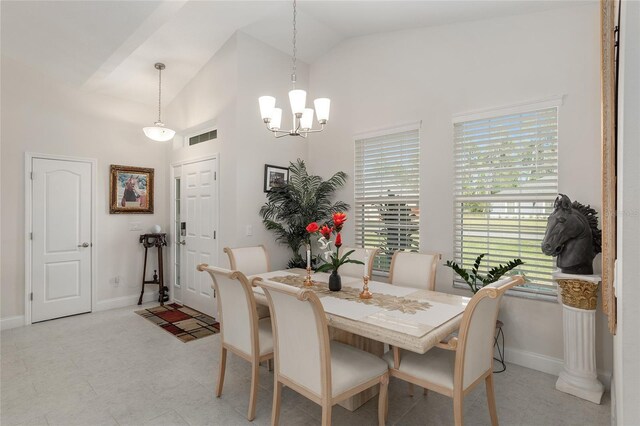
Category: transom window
[387,193]
[506,180]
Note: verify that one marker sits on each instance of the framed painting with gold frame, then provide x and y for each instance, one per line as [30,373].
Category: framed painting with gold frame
[131,190]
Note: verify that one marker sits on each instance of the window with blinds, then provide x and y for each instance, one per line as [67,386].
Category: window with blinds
[387,192]
[506,180]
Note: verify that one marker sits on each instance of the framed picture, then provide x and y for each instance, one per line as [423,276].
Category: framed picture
[131,190]
[275,176]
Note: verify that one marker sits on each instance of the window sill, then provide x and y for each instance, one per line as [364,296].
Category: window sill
[524,293]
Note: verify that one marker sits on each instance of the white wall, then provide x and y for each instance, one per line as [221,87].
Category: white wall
[430,74]
[42,116]
[225,94]
[627,340]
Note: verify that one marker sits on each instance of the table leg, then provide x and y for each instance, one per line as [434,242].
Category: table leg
[144,275]
[369,345]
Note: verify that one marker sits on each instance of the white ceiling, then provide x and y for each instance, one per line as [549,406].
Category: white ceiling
[111,46]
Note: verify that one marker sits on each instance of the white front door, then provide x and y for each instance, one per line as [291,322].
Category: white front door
[62,241]
[198,210]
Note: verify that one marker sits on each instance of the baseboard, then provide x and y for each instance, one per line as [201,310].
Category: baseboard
[121,302]
[11,322]
[546,364]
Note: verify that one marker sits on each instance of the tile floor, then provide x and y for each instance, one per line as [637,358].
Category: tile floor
[116,368]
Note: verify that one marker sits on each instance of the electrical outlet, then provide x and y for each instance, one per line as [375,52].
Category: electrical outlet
[249,230]
[135,226]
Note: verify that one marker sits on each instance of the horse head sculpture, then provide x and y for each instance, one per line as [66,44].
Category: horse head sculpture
[572,236]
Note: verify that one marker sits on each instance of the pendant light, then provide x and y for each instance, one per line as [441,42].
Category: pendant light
[158,132]
[302,116]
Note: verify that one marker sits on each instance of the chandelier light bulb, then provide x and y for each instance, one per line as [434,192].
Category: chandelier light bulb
[267,105]
[276,119]
[322,109]
[297,99]
[306,121]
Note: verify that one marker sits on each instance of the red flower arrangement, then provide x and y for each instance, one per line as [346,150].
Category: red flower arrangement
[334,261]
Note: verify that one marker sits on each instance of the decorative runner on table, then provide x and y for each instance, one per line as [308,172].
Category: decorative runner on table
[385,301]
[185,323]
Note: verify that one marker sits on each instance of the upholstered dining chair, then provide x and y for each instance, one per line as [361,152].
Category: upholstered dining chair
[353,269]
[457,366]
[241,332]
[417,270]
[307,362]
[250,261]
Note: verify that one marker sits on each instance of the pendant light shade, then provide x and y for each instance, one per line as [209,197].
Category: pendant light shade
[159,132]
[267,104]
[322,109]
[297,99]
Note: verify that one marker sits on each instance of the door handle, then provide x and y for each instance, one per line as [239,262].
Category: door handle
[182,243]
[85,245]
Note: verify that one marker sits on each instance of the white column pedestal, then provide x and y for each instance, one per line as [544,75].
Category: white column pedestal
[579,297]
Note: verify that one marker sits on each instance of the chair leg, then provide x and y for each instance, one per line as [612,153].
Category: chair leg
[491,399]
[277,396]
[383,399]
[410,386]
[255,371]
[457,408]
[223,363]
[326,414]
[425,391]
[270,364]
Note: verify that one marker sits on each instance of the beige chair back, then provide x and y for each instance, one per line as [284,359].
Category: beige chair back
[474,352]
[301,337]
[248,260]
[353,269]
[236,309]
[417,270]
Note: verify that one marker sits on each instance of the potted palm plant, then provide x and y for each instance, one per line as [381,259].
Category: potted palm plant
[304,199]
[474,280]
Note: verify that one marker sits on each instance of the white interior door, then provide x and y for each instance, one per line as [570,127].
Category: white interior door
[61,234]
[199,210]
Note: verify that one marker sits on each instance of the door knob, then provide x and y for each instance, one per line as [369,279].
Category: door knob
[182,243]
[85,245]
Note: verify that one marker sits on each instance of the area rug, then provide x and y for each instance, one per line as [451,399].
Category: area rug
[185,323]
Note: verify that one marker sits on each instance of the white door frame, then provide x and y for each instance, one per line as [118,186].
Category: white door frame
[172,214]
[28,219]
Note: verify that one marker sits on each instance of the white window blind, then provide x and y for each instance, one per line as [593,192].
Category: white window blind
[506,179]
[387,192]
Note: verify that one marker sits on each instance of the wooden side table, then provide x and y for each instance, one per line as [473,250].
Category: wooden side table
[149,241]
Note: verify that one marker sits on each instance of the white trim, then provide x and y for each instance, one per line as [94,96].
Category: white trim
[545,363]
[28,214]
[12,322]
[195,160]
[124,301]
[414,125]
[518,108]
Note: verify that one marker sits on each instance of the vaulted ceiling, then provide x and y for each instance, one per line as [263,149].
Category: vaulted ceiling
[110,46]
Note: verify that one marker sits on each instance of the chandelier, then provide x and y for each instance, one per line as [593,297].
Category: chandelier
[302,116]
[158,132]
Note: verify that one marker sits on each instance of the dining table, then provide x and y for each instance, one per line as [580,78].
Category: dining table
[407,318]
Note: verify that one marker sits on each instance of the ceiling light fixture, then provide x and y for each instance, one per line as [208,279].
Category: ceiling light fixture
[302,116]
[158,132]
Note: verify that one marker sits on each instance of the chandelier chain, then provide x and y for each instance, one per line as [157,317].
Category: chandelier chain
[159,92]
[295,32]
